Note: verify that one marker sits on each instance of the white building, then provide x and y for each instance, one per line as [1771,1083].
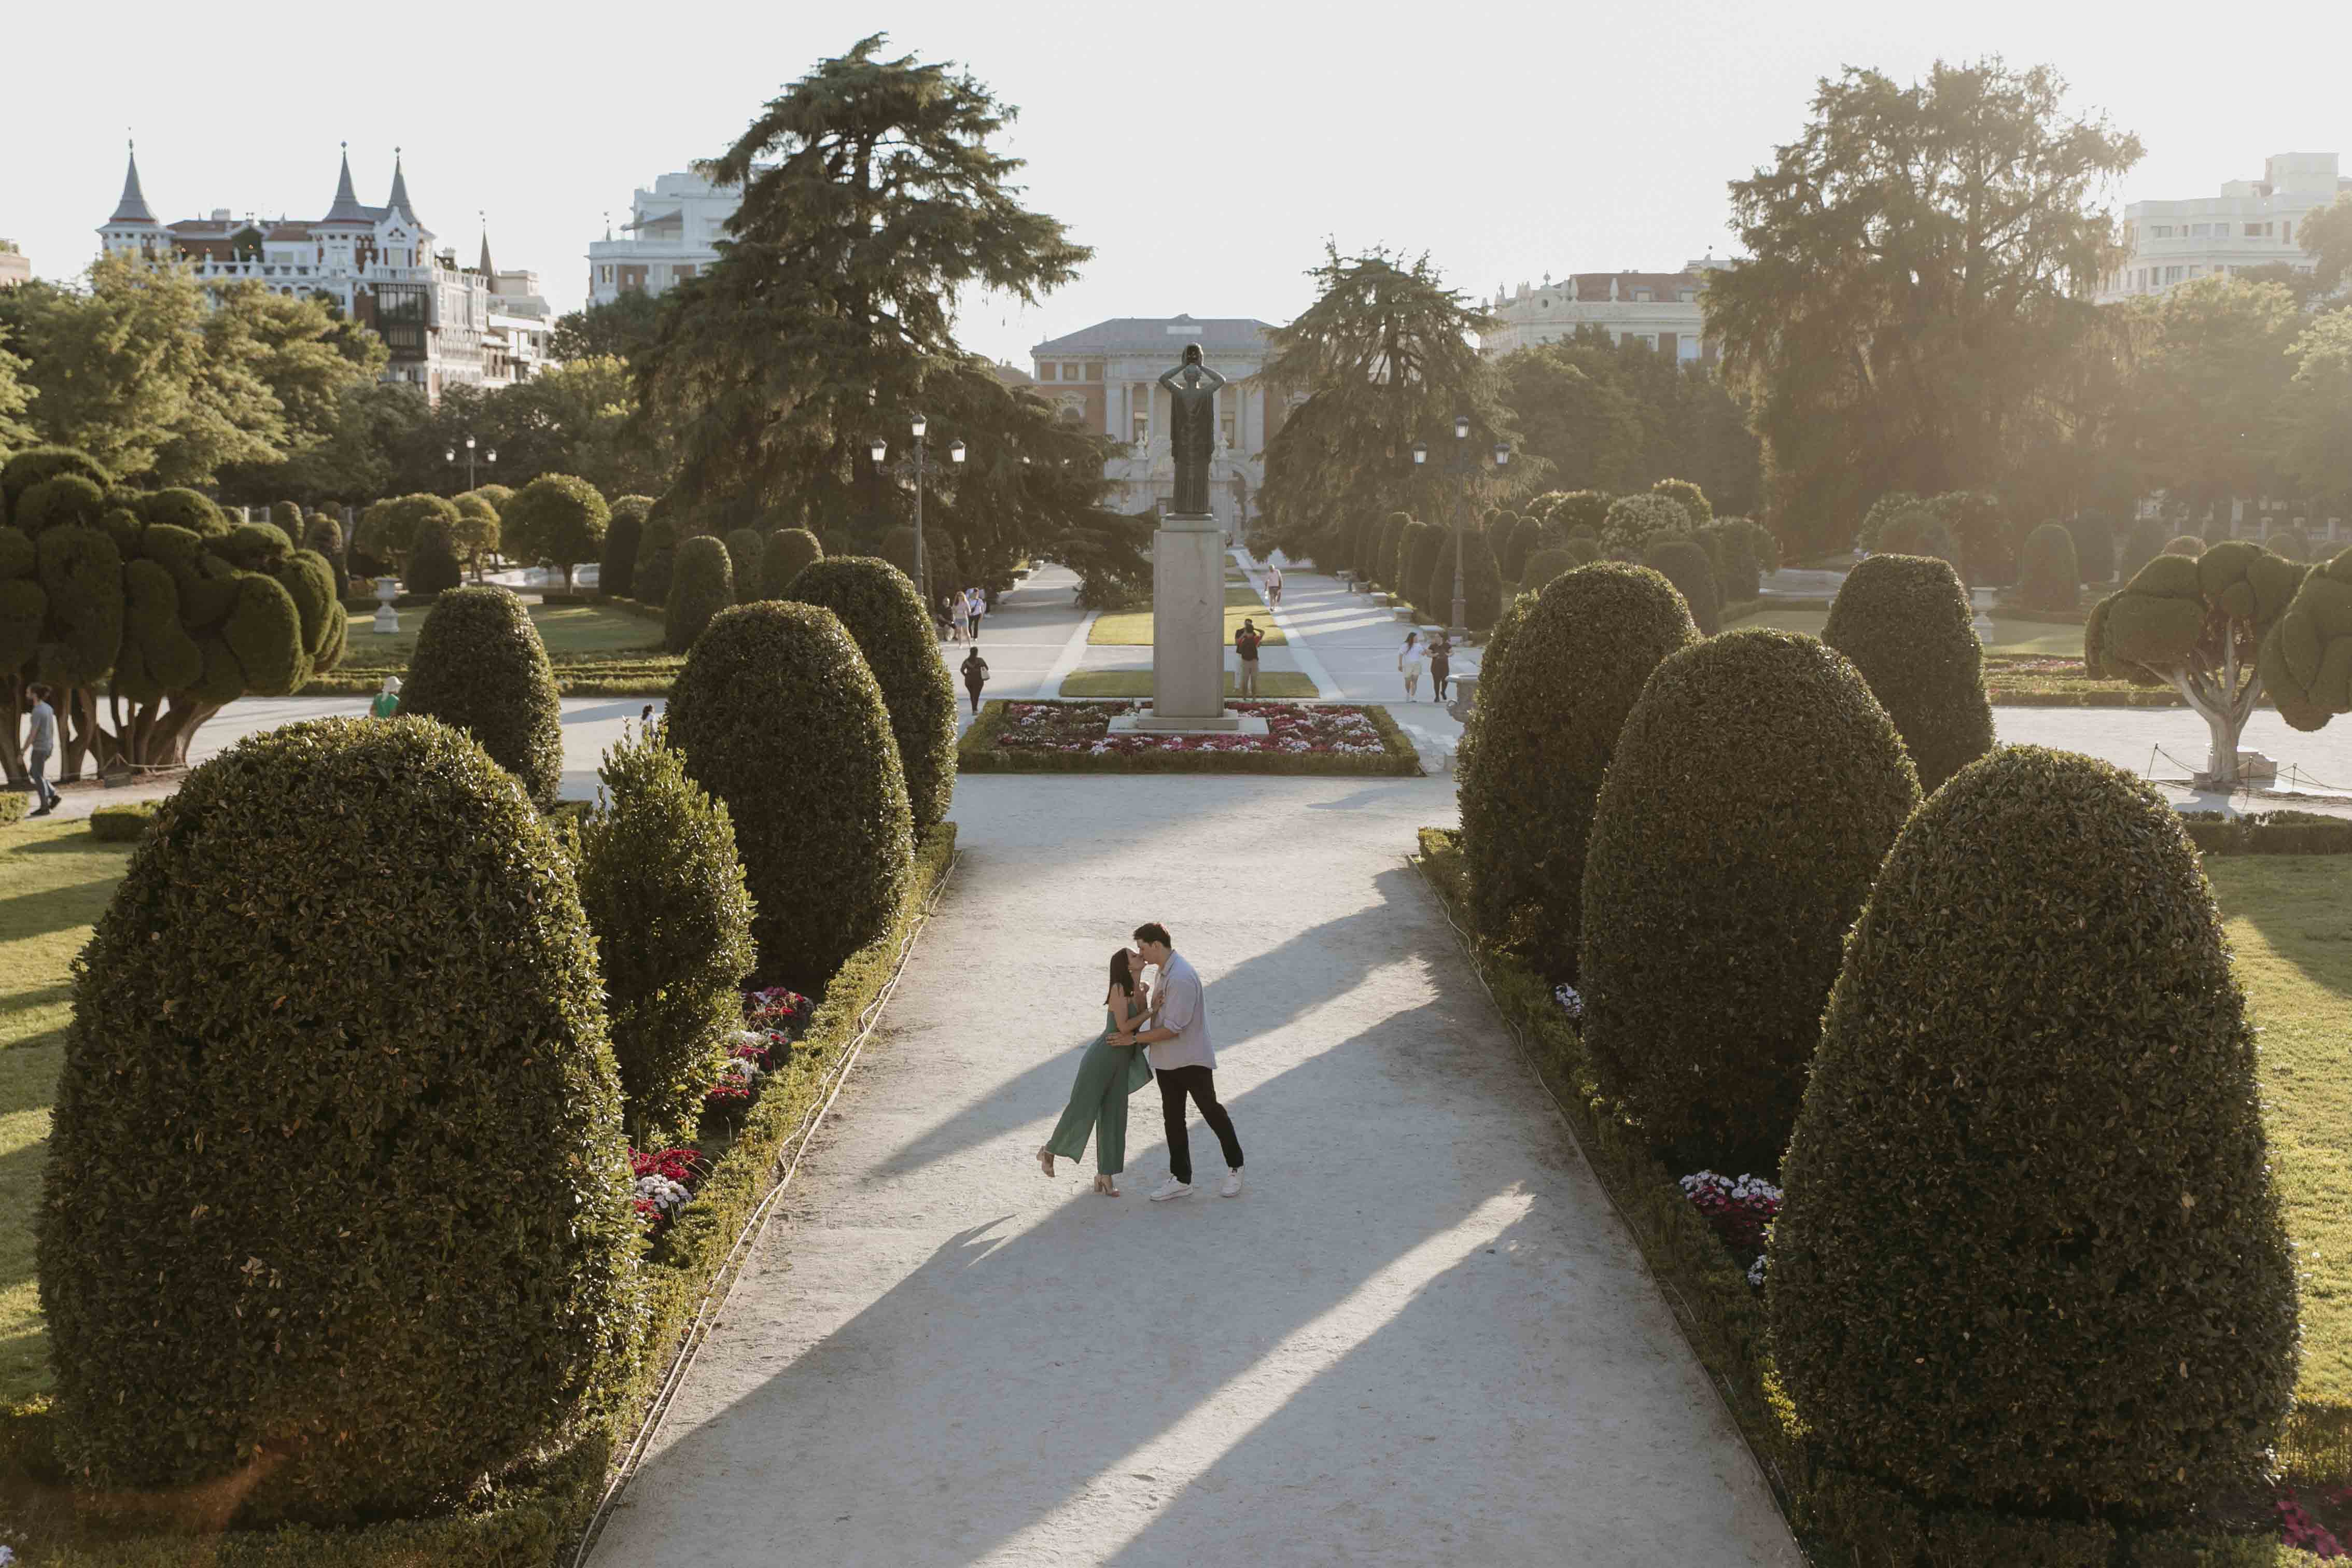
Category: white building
[15,267]
[2253,223]
[1659,309]
[1107,377]
[672,233]
[375,264]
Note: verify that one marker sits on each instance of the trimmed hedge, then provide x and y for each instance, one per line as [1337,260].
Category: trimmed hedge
[617,572]
[702,585]
[778,715]
[1576,661]
[880,609]
[2029,1256]
[744,549]
[432,564]
[1686,565]
[1543,566]
[663,894]
[1417,555]
[1573,510]
[451,1274]
[978,753]
[2306,659]
[2269,833]
[126,822]
[560,518]
[1753,791]
[2184,545]
[2048,575]
[14,806]
[789,550]
[657,540]
[1382,570]
[1687,496]
[1905,622]
[480,668]
[1630,520]
[34,465]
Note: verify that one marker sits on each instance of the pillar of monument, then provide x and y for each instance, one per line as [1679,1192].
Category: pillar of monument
[1188,624]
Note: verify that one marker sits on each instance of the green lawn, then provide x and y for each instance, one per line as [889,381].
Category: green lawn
[1286,683]
[1132,629]
[2008,637]
[55,881]
[572,633]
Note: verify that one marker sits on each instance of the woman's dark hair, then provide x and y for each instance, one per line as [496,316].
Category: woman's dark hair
[1122,970]
[1192,353]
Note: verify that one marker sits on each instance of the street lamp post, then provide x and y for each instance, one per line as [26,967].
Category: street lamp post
[922,581]
[489,457]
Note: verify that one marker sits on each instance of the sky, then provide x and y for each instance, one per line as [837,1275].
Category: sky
[1206,151]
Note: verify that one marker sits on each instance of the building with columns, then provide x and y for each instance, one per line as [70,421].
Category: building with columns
[2253,223]
[1659,309]
[1107,377]
[446,324]
[672,234]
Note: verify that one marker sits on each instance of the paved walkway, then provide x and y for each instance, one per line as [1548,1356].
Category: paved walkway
[1419,1336]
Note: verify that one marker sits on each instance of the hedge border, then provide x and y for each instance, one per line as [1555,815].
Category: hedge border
[978,753]
[1837,1519]
[2264,835]
[539,1520]
[125,822]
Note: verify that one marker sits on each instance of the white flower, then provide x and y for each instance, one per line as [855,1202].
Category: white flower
[1573,1005]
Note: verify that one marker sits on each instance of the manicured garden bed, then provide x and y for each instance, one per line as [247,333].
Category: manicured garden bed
[1698,1232]
[530,1518]
[1094,684]
[1075,737]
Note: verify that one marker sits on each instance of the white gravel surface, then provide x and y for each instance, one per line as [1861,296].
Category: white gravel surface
[1419,1336]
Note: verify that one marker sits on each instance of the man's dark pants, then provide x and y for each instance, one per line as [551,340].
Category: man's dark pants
[1201,1083]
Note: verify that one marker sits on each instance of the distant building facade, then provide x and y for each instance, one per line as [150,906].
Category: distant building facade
[1658,309]
[1107,378]
[15,267]
[2253,223]
[377,264]
[672,234]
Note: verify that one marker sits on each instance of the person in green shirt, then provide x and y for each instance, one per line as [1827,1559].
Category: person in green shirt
[387,701]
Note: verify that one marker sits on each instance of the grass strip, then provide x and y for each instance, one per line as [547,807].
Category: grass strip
[1131,626]
[1101,683]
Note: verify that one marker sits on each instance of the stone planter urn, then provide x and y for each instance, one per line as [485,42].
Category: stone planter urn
[387,619]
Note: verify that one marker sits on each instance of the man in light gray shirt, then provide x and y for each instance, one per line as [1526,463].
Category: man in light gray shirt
[44,743]
[1185,1062]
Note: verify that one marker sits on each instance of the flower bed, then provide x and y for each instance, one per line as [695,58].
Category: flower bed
[1076,737]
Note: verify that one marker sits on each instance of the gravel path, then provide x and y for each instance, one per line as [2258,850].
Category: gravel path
[1419,1336]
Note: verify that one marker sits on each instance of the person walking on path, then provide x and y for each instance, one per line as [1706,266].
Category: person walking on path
[1409,659]
[1441,665]
[1107,1074]
[949,614]
[975,675]
[387,701]
[1184,1061]
[975,604]
[1245,644]
[1274,584]
[44,745]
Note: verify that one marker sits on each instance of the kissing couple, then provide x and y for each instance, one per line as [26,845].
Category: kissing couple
[1159,1031]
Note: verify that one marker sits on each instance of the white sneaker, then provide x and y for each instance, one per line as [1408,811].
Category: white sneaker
[1232,1188]
[1171,1188]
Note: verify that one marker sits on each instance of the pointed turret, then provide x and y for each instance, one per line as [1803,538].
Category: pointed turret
[133,208]
[398,201]
[485,269]
[346,208]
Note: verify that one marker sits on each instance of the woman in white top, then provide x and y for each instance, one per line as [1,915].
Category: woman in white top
[1409,661]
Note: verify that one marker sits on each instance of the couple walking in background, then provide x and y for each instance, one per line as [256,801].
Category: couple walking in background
[1159,1033]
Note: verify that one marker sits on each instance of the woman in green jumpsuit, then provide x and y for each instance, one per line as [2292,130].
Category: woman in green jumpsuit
[1107,1074]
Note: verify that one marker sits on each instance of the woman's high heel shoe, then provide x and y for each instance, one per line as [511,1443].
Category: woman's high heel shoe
[1046,1161]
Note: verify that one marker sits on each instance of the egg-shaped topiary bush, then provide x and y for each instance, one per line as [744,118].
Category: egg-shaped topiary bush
[432,564]
[1752,794]
[2029,1255]
[878,607]
[744,548]
[701,585]
[1686,565]
[2049,577]
[2187,544]
[657,563]
[336,1166]
[616,570]
[1576,661]
[1632,521]
[1905,622]
[1384,550]
[480,667]
[789,550]
[778,715]
[1543,566]
[664,893]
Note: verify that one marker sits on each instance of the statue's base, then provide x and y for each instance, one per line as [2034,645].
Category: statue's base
[1150,723]
[387,621]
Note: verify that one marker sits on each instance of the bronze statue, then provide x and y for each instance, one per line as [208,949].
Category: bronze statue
[1192,429]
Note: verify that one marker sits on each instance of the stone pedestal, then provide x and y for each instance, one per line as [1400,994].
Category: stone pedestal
[1188,627]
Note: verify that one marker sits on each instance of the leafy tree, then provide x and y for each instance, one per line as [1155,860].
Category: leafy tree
[2326,237]
[477,534]
[617,574]
[391,529]
[874,203]
[2317,411]
[1917,287]
[1384,357]
[1617,416]
[125,373]
[15,433]
[362,455]
[2196,624]
[622,329]
[306,354]
[2207,391]
[1108,552]
[559,519]
[1632,522]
